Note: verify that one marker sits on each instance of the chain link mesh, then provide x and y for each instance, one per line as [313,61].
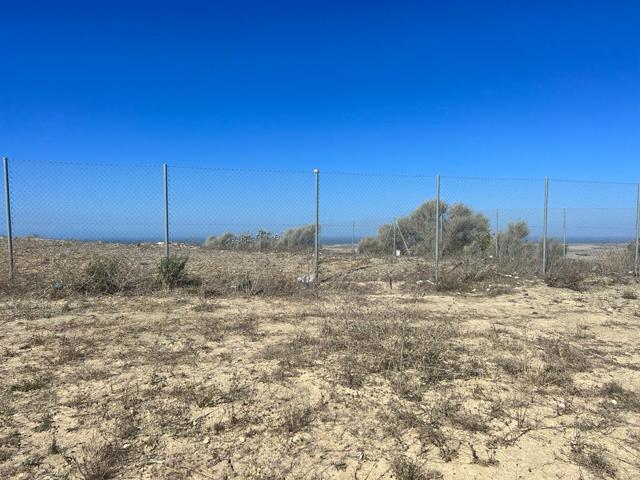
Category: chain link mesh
[386,216]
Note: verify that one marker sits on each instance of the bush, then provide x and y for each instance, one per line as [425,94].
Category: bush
[226,241]
[172,270]
[463,231]
[370,246]
[104,275]
[259,284]
[555,253]
[515,253]
[404,468]
[301,238]
[567,273]
[264,240]
[293,239]
[511,242]
[617,261]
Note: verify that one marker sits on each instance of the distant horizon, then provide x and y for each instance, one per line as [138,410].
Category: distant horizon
[329,241]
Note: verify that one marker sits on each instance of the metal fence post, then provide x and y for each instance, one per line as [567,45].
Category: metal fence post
[497,235]
[353,238]
[394,238]
[7,198]
[564,232]
[437,259]
[316,255]
[544,228]
[166,209]
[637,260]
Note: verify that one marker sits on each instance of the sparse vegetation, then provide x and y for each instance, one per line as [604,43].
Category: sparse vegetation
[463,231]
[567,273]
[172,270]
[249,373]
[624,398]
[99,460]
[406,469]
[291,240]
[595,460]
[105,275]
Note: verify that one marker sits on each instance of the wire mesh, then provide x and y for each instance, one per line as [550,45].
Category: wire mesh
[267,214]
[497,220]
[356,206]
[594,220]
[387,216]
[88,202]
[211,202]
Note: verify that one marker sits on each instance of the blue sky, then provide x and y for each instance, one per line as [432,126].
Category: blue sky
[502,89]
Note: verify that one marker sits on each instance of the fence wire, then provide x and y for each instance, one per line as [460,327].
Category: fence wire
[361,215]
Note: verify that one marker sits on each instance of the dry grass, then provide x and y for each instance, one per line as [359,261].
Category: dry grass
[568,273]
[406,469]
[246,373]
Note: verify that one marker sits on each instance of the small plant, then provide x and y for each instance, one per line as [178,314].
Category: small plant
[104,275]
[565,273]
[521,405]
[594,459]
[404,468]
[99,460]
[450,281]
[512,365]
[54,448]
[30,384]
[45,424]
[626,399]
[297,417]
[173,270]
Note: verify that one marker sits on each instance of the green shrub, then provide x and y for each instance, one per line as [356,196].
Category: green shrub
[516,253]
[463,231]
[617,261]
[370,246]
[104,275]
[555,253]
[172,270]
[293,239]
[567,273]
[226,241]
[264,240]
[512,242]
[301,238]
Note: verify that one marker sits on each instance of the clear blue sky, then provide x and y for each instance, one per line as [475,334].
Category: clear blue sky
[461,88]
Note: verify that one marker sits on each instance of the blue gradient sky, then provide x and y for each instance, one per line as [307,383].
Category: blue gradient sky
[460,88]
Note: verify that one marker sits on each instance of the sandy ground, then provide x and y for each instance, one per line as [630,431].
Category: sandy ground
[378,380]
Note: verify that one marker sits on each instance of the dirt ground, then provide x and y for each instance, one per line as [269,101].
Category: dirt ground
[376,378]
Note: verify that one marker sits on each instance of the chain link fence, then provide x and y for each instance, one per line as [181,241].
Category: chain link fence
[517,224]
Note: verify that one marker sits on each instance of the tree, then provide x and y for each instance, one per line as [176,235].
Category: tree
[462,230]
